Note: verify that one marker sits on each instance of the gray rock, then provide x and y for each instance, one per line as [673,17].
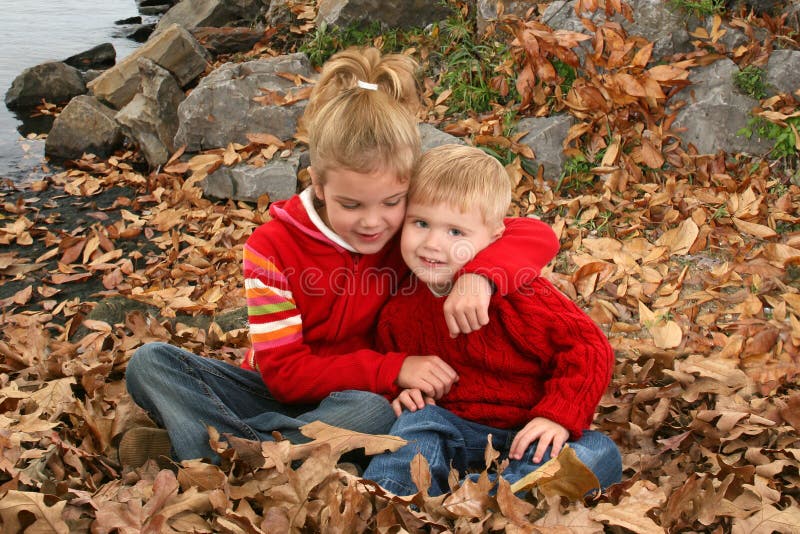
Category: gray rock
[396,14]
[432,137]
[129,20]
[55,82]
[91,74]
[140,32]
[783,71]
[761,7]
[278,179]
[151,118]
[221,109]
[227,40]
[84,126]
[486,11]
[173,49]
[546,138]
[278,14]
[716,111]
[195,13]
[652,19]
[100,57]
[154,10]
[733,37]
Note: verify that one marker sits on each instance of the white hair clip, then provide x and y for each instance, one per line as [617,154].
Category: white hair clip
[367,85]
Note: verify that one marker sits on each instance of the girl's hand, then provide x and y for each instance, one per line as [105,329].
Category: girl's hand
[412,400]
[546,431]
[467,306]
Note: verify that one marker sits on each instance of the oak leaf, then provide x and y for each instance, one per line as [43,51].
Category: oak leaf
[631,512]
[45,509]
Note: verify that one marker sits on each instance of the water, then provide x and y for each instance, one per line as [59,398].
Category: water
[37,31]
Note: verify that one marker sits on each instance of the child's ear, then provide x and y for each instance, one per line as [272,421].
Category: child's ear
[498,232]
[316,183]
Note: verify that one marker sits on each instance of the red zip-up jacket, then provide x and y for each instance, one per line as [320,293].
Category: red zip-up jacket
[313,305]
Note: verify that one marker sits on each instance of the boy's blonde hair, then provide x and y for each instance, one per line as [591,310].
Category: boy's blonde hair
[360,129]
[464,177]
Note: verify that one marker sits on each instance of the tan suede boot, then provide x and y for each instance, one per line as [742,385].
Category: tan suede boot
[141,443]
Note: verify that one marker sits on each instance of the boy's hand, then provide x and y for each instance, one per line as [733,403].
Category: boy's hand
[412,400]
[546,431]
[430,374]
[467,307]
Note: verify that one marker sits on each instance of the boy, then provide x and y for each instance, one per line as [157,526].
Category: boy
[532,378]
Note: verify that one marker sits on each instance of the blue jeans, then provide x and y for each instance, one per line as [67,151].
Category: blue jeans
[184,393]
[444,438]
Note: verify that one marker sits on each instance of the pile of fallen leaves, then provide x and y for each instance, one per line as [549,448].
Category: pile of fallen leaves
[690,263]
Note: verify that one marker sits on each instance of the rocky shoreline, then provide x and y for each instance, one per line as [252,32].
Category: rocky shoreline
[142,100]
[180,91]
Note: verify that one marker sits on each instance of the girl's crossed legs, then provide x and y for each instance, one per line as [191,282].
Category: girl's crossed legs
[184,393]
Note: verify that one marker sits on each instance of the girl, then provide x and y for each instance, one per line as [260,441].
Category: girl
[316,276]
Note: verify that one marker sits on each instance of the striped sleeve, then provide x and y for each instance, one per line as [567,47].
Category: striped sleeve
[273,316]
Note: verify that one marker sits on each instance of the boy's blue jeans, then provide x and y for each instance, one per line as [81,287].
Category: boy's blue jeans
[443,437]
[184,392]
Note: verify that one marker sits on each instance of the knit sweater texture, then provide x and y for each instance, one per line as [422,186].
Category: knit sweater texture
[539,356]
[313,305]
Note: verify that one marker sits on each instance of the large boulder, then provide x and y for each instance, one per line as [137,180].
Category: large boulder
[101,56]
[546,137]
[652,19]
[151,118]
[397,14]
[715,111]
[431,137]
[195,13]
[84,126]
[173,49]
[783,71]
[487,12]
[278,179]
[227,40]
[55,82]
[222,109]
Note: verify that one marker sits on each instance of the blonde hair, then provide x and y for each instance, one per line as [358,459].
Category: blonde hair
[464,177]
[350,125]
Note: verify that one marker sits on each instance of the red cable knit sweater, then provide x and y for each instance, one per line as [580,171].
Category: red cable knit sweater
[540,355]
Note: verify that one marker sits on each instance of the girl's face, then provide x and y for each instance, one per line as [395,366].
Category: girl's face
[364,209]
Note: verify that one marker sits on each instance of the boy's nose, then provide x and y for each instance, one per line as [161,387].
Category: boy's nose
[431,241]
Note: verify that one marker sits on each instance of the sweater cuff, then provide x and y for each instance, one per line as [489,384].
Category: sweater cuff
[388,371]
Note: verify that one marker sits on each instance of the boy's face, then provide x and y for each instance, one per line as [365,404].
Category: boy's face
[364,209]
[439,239]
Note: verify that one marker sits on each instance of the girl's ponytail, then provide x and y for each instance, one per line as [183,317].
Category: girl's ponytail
[362,113]
[394,74]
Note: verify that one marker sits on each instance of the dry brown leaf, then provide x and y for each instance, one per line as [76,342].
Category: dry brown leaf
[631,512]
[41,512]
[754,229]
[680,239]
[770,519]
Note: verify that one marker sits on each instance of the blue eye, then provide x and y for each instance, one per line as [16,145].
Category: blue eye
[455,232]
[420,223]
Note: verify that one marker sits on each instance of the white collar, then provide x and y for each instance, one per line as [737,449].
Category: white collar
[307,198]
